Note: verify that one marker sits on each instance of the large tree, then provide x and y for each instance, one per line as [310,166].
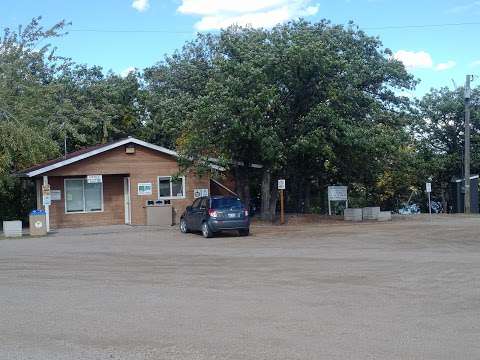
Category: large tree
[439,130]
[45,98]
[307,101]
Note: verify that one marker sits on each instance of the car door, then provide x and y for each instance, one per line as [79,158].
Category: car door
[198,213]
[191,214]
[202,213]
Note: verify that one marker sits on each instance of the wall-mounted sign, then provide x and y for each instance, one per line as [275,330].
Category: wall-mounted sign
[56,195]
[337,193]
[281,184]
[200,193]
[94,179]
[144,189]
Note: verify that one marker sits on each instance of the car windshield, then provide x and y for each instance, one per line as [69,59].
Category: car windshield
[226,204]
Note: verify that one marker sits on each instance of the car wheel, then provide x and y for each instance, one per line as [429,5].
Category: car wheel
[206,232]
[244,232]
[183,226]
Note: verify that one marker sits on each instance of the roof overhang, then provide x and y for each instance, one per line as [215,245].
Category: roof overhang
[97,151]
[52,166]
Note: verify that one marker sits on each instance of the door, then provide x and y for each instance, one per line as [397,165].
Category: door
[192,215]
[200,213]
[126,193]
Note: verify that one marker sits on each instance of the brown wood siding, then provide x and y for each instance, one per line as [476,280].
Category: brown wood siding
[113,205]
[144,165]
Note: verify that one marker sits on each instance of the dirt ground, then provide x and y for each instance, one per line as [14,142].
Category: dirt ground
[408,289]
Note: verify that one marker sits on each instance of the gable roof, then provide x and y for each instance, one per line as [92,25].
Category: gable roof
[89,152]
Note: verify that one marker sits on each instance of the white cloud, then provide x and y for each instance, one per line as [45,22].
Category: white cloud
[471,6]
[140,5]
[414,60]
[217,14]
[475,63]
[128,70]
[445,66]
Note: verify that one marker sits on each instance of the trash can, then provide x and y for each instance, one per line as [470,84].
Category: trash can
[38,223]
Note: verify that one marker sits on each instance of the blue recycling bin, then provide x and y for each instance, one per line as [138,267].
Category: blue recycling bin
[38,223]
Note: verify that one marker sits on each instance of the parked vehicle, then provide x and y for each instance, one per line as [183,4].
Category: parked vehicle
[214,214]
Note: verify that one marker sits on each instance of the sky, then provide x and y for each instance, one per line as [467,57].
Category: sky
[101,31]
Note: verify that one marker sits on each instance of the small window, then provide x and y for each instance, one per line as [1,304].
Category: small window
[171,188]
[196,203]
[204,203]
[81,196]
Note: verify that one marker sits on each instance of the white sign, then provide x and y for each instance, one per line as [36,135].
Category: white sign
[337,193]
[46,196]
[428,187]
[46,200]
[144,189]
[56,195]
[94,179]
[281,184]
[197,193]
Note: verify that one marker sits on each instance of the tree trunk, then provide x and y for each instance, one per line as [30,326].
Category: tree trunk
[308,197]
[246,194]
[273,203]
[266,215]
[238,181]
[242,185]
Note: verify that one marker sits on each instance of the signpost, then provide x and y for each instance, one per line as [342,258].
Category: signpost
[46,195]
[281,187]
[428,188]
[337,193]
[46,200]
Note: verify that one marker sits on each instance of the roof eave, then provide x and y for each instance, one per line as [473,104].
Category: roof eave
[94,152]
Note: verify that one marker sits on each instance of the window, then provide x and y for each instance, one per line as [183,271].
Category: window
[230,203]
[169,188]
[196,204]
[80,196]
[204,203]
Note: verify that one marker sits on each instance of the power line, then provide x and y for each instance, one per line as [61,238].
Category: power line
[388,27]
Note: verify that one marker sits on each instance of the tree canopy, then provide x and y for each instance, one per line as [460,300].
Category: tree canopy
[315,103]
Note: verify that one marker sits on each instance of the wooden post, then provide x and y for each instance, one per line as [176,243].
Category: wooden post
[282,208]
[47,207]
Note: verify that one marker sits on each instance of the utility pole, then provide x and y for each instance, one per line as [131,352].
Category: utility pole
[467,96]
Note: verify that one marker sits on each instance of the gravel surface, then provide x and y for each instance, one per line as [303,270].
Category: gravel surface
[409,289]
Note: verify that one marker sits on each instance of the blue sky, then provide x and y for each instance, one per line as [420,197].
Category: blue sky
[436,55]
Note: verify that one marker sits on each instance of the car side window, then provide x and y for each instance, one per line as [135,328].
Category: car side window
[196,203]
[204,204]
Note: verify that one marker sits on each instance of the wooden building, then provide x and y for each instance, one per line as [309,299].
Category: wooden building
[114,184]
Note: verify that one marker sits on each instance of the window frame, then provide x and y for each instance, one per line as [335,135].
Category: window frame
[171,197]
[84,180]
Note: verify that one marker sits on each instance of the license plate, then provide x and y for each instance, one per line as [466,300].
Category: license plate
[232,215]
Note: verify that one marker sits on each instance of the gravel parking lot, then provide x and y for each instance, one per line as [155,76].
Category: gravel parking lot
[409,289]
